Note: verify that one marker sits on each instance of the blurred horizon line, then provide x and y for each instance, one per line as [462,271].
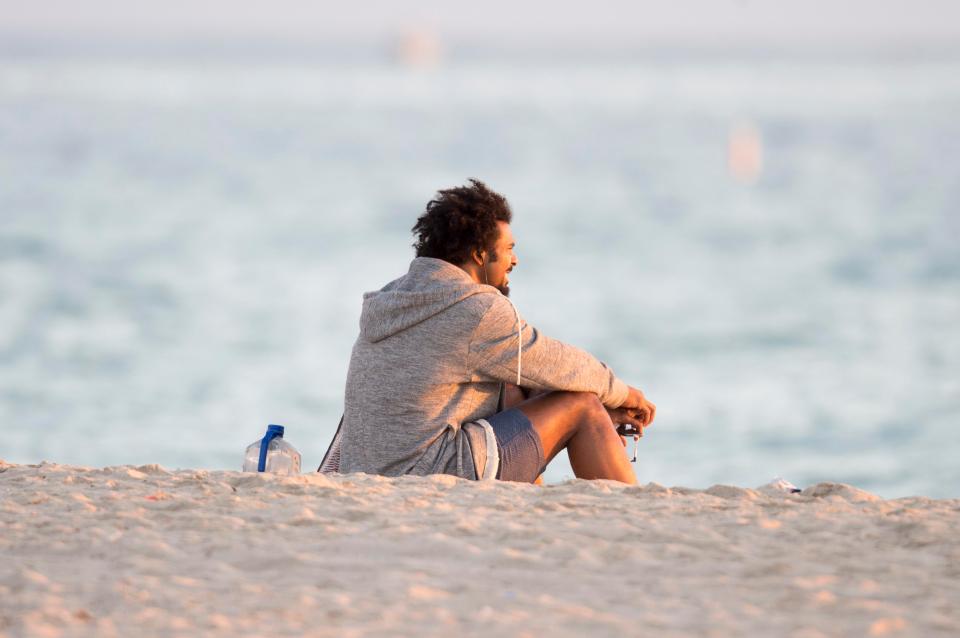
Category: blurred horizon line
[464,49]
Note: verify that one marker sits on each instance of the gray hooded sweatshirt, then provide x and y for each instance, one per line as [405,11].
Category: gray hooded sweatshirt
[433,351]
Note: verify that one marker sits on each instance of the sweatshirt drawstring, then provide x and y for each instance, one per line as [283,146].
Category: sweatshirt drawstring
[519,340]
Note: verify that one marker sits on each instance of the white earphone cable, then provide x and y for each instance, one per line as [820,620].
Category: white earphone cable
[519,340]
[516,312]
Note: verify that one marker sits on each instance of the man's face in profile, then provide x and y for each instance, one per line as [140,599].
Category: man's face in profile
[502,260]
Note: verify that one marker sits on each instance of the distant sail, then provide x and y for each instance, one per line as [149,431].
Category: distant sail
[418,48]
[745,153]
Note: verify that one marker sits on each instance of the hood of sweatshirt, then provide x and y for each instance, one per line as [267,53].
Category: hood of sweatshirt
[429,287]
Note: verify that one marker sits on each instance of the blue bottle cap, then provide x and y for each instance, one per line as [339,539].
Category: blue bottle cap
[273,431]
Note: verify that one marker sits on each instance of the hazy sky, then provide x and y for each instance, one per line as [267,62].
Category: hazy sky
[638,21]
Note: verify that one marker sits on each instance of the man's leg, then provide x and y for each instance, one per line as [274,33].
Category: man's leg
[579,422]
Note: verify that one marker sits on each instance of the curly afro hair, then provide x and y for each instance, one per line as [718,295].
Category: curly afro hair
[459,221]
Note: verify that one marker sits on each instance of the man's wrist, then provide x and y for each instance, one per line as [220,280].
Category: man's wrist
[619,393]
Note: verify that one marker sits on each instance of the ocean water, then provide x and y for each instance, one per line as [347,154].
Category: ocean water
[184,245]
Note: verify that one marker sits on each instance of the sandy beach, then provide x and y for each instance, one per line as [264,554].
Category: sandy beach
[144,551]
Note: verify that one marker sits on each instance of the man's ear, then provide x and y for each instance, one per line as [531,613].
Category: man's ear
[479,257]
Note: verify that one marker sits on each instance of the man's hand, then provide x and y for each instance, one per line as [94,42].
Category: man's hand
[636,411]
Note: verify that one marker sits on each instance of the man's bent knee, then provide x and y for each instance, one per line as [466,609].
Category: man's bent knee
[587,407]
[590,405]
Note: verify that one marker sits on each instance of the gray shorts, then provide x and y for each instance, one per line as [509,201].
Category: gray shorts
[521,452]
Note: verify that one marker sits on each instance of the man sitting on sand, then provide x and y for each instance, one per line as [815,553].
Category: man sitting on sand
[446,377]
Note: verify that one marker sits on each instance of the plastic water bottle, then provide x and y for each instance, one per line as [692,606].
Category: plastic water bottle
[272,454]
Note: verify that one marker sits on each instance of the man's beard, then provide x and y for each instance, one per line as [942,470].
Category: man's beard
[503,288]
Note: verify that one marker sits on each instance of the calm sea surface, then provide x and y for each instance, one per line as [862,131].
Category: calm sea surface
[184,245]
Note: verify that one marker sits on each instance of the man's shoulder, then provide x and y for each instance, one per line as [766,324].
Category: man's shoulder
[484,302]
[491,314]
[477,305]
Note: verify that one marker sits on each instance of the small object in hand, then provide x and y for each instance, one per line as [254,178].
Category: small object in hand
[628,429]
